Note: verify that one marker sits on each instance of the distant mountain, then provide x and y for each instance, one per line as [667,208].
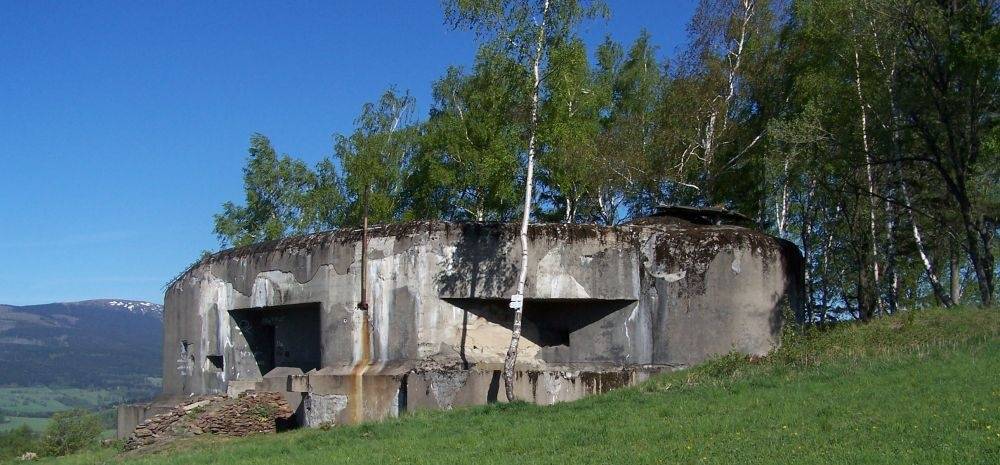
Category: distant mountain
[110,343]
[131,306]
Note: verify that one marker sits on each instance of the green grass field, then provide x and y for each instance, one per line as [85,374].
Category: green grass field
[33,405]
[36,424]
[43,401]
[923,387]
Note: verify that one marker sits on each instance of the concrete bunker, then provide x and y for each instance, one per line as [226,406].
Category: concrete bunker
[605,307]
[282,335]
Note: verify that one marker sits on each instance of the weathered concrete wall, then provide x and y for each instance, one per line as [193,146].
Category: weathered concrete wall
[131,415]
[597,299]
[446,389]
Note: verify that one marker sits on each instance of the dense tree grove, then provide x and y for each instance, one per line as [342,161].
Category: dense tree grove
[864,131]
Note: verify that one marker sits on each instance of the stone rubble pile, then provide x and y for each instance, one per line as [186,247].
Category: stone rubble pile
[251,412]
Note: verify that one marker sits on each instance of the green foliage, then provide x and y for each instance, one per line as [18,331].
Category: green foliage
[377,157]
[541,38]
[912,388]
[865,131]
[108,418]
[514,25]
[629,87]
[264,411]
[568,131]
[43,401]
[470,145]
[194,413]
[858,157]
[15,442]
[69,432]
[283,196]
[724,88]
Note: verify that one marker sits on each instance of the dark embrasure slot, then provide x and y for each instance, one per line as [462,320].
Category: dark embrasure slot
[282,336]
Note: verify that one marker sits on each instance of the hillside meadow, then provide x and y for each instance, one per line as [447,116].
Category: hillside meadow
[918,387]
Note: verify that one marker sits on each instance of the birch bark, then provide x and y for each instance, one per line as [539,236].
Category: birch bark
[713,127]
[928,266]
[518,305]
[956,278]
[870,177]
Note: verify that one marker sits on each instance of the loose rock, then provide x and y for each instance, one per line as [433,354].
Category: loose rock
[250,413]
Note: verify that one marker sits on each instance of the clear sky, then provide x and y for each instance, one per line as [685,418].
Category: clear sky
[124,125]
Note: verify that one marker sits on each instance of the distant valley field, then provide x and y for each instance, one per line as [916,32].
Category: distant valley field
[92,355]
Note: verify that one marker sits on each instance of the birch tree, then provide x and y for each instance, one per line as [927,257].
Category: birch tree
[716,107]
[951,97]
[377,156]
[630,86]
[568,130]
[471,143]
[526,30]
[932,275]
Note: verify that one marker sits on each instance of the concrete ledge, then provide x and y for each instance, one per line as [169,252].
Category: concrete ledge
[333,397]
[350,399]
[448,389]
[131,415]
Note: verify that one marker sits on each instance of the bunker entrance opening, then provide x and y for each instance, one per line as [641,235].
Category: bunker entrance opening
[546,322]
[282,336]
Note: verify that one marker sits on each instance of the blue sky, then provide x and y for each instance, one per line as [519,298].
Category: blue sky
[124,125]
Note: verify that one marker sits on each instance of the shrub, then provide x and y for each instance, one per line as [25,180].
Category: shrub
[17,441]
[70,431]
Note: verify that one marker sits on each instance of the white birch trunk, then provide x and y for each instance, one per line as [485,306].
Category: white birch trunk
[782,208]
[807,240]
[735,54]
[891,272]
[945,299]
[956,279]
[870,177]
[602,205]
[827,245]
[515,336]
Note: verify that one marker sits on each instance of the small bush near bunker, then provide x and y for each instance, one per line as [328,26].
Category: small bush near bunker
[17,441]
[70,431]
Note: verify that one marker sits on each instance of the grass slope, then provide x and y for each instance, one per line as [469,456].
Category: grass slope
[923,387]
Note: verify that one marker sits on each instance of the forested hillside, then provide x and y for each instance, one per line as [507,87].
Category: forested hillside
[865,131]
[111,347]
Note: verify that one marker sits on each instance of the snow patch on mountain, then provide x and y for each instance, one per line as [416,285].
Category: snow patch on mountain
[130,306]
